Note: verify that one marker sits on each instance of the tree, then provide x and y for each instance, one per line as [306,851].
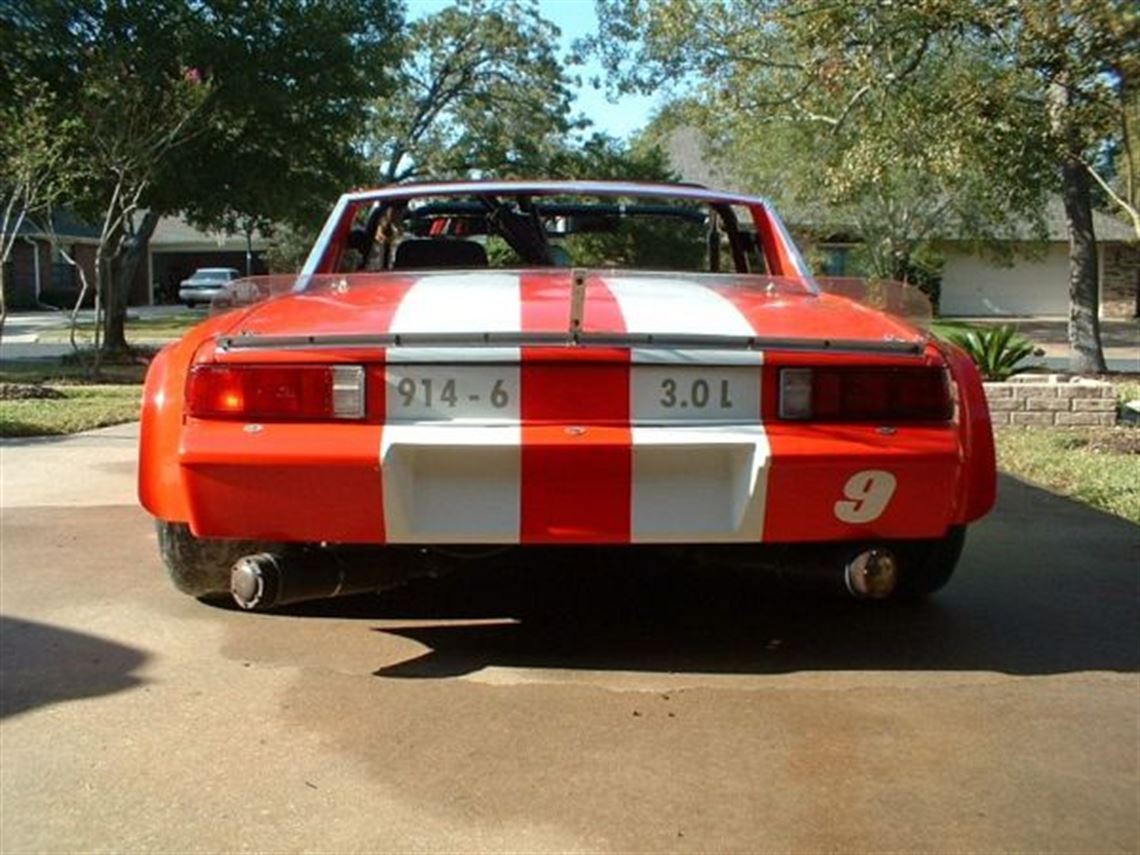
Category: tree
[231,112]
[947,100]
[480,88]
[36,167]
[288,106]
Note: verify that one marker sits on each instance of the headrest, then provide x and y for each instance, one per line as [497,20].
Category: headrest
[420,254]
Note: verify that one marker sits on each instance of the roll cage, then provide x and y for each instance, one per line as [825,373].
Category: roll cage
[518,211]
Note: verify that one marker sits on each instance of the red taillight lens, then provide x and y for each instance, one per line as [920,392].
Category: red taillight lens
[885,394]
[269,392]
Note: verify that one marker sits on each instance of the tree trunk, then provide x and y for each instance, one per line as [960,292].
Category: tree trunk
[1086,355]
[124,268]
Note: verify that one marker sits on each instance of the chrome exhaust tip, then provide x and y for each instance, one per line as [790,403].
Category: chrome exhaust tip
[255,581]
[872,574]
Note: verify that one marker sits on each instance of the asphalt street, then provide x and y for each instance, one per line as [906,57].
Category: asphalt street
[600,708]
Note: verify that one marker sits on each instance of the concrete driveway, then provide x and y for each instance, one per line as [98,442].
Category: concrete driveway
[541,710]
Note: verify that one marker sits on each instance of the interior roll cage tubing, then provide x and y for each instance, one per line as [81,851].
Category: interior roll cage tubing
[779,250]
[529,238]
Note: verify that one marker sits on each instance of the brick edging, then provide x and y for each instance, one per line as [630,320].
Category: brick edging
[1053,400]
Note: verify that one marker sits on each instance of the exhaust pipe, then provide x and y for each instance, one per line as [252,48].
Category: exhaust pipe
[268,580]
[872,574]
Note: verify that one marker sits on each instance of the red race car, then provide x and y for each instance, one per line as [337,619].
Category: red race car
[501,368]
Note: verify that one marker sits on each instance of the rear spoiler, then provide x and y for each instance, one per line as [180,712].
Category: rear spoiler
[475,341]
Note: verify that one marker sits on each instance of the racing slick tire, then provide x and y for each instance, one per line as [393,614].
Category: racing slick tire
[928,565]
[200,566]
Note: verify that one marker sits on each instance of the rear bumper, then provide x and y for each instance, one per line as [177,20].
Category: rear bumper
[561,484]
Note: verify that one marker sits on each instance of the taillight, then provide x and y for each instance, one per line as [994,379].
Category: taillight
[276,392]
[886,394]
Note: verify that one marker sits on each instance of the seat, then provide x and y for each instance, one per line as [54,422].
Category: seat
[426,254]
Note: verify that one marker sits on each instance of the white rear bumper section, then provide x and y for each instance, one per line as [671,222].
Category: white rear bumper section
[453,484]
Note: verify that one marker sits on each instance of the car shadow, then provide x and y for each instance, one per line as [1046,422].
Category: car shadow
[1046,585]
[42,664]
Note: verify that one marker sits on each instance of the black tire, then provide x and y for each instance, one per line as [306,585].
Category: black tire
[926,566]
[199,566]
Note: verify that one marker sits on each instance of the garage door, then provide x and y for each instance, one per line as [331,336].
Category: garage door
[974,286]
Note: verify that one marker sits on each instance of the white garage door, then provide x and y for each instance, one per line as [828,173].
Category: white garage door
[975,286]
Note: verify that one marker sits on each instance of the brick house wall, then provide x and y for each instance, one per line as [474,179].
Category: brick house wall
[20,273]
[1120,281]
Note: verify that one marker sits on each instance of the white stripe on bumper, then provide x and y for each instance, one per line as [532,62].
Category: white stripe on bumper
[699,484]
[451,484]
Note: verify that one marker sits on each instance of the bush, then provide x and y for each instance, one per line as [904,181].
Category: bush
[997,351]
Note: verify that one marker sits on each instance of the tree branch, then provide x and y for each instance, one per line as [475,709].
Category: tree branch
[1128,209]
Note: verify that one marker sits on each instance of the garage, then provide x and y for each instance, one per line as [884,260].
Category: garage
[975,286]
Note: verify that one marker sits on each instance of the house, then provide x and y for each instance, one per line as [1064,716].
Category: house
[1034,284]
[177,249]
[38,273]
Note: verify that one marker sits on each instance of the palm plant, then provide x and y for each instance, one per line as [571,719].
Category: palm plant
[997,351]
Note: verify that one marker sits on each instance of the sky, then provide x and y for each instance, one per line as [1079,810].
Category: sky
[576,18]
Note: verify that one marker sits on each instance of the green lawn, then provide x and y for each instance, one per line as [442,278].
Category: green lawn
[1098,466]
[56,372]
[81,408]
[153,329]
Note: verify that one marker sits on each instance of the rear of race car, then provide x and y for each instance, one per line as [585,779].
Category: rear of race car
[569,409]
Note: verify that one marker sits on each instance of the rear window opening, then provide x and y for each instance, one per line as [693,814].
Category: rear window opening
[518,231]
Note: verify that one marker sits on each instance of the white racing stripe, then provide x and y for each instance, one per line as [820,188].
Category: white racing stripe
[461,303]
[451,484]
[451,355]
[461,482]
[660,306]
[699,484]
[703,356]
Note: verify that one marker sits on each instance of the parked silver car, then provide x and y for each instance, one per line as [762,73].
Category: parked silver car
[205,284]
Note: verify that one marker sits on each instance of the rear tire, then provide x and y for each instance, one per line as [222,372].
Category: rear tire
[200,566]
[926,566]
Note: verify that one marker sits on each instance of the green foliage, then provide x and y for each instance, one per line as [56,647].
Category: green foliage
[238,114]
[641,243]
[997,351]
[480,89]
[37,166]
[913,121]
[604,157]
[856,120]
[290,87]
[289,248]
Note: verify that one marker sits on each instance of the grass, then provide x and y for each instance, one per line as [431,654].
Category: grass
[1098,466]
[1126,390]
[153,329]
[55,372]
[81,408]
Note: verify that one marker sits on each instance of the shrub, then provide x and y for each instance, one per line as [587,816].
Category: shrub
[997,351]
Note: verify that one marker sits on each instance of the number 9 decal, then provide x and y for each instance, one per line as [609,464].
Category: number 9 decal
[867,494]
